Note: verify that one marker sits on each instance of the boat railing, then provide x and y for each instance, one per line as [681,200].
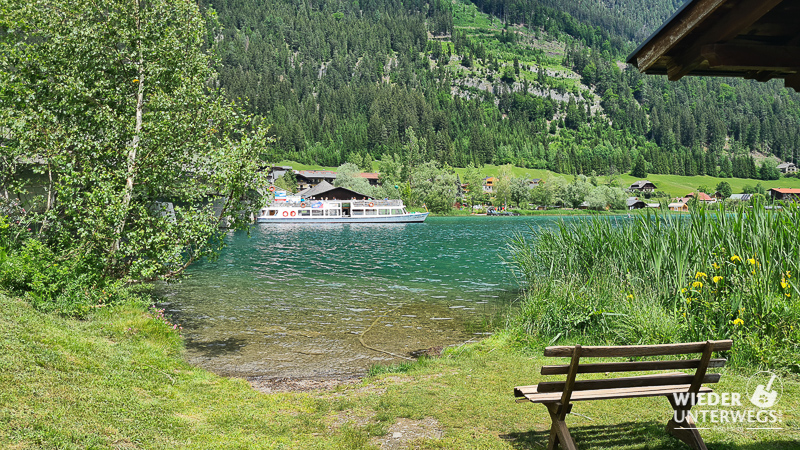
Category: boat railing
[371,203]
[353,203]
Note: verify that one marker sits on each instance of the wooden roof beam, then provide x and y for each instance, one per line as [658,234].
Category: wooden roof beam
[666,39]
[734,22]
[755,57]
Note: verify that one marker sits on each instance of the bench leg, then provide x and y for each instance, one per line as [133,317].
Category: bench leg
[685,427]
[559,433]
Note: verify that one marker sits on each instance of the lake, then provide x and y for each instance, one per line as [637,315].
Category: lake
[329,300]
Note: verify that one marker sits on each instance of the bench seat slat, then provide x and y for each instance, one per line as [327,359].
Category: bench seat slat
[530,393]
[628,382]
[637,350]
[633,366]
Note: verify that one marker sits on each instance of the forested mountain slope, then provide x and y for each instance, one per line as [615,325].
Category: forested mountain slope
[536,83]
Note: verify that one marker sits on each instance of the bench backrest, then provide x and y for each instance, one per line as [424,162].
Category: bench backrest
[695,381]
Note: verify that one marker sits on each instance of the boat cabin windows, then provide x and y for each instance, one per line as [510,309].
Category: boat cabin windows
[372,212]
[304,213]
[316,212]
[358,212]
[332,212]
[273,212]
[384,211]
[397,211]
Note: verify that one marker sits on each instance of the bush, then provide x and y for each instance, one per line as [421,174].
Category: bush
[69,285]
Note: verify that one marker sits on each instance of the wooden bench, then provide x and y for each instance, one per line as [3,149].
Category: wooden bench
[558,396]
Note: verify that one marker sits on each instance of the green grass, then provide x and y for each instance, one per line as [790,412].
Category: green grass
[674,185]
[118,380]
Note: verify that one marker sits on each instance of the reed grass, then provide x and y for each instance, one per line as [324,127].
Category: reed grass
[658,277]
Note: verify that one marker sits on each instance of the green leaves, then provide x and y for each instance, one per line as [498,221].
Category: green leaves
[110,101]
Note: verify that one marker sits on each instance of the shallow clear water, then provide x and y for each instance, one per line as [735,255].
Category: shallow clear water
[332,299]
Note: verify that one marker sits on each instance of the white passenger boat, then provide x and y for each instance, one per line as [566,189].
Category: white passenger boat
[339,211]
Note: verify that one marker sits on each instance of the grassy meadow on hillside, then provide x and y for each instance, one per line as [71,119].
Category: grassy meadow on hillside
[674,185]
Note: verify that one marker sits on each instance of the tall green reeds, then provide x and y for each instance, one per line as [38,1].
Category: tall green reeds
[660,277]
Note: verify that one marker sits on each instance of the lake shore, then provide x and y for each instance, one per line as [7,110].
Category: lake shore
[119,379]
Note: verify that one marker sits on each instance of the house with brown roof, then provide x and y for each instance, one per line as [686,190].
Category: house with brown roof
[786,195]
[679,205]
[642,186]
[701,196]
[372,177]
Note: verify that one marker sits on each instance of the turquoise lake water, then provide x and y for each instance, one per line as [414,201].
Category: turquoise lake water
[330,300]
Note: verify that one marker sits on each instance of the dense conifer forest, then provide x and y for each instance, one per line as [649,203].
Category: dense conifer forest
[535,83]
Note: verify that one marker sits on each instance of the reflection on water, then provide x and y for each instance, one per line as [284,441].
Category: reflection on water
[332,299]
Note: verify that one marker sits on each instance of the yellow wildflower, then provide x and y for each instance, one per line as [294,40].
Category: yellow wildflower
[784,284]
[788,295]
[738,321]
[715,266]
[752,261]
[699,275]
[697,285]
[135,80]
[630,296]
[788,274]
[735,258]
[684,314]
[717,279]
[683,291]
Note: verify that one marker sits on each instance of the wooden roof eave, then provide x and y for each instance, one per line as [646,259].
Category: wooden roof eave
[724,38]
[664,39]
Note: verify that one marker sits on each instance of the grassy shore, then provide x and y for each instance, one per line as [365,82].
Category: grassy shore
[118,380]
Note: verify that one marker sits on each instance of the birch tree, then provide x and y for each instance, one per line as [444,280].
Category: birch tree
[116,101]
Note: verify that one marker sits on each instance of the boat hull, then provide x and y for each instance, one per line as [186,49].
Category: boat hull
[406,218]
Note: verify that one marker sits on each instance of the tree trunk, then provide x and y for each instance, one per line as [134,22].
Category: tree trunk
[133,148]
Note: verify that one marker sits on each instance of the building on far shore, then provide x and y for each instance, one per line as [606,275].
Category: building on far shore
[787,167]
[679,205]
[701,196]
[276,172]
[741,197]
[783,194]
[635,203]
[309,178]
[373,177]
[642,186]
[488,185]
